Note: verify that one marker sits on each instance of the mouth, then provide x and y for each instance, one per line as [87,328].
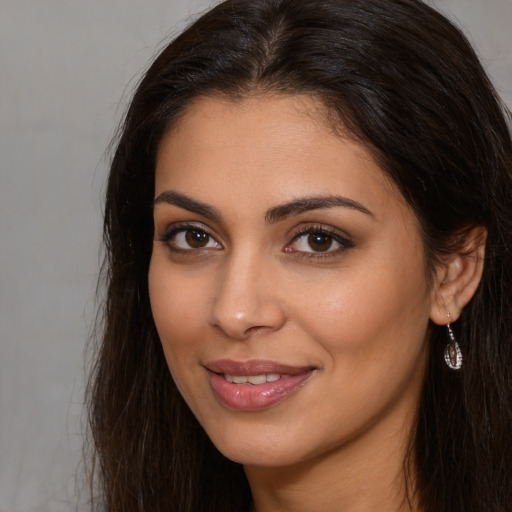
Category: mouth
[255,385]
[255,380]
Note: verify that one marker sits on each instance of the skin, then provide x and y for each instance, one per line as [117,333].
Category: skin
[357,313]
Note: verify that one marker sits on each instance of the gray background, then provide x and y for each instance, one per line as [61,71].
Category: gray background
[67,68]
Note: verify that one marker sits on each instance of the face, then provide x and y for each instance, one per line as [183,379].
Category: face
[287,282]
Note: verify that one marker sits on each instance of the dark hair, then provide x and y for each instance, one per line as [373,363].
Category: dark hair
[401,79]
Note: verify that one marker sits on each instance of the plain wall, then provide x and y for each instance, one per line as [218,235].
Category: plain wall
[66,71]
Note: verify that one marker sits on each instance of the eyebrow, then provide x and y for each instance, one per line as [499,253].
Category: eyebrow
[273,215]
[187,203]
[306,204]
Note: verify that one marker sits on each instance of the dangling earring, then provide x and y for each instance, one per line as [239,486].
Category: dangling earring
[452,353]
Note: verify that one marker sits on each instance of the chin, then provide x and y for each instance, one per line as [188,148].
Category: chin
[262,447]
[260,456]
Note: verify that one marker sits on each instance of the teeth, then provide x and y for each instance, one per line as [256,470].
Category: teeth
[257,379]
[252,379]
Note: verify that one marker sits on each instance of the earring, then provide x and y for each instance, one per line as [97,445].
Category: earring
[452,353]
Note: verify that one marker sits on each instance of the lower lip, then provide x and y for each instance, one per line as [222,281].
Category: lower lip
[251,397]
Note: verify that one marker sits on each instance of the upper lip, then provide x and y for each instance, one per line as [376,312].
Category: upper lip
[254,367]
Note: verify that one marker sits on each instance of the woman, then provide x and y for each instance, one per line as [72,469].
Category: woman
[308,222]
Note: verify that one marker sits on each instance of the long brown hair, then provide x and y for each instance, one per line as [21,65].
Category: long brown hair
[404,81]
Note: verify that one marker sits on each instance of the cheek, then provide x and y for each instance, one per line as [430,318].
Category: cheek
[179,307]
[372,332]
[363,315]
[180,316]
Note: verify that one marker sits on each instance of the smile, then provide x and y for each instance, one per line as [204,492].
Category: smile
[253,379]
[254,385]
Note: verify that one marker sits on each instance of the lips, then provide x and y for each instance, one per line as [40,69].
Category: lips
[256,384]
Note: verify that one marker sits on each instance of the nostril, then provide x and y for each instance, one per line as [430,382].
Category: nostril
[258,329]
[242,326]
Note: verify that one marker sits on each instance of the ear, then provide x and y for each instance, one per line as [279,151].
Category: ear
[457,277]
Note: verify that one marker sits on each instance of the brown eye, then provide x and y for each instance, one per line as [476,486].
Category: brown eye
[191,238]
[197,238]
[320,242]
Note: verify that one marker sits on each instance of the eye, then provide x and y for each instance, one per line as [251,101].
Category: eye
[315,242]
[318,242]
[188,238]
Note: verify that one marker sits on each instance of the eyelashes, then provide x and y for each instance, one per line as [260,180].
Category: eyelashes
[317,241]
[190,238]
[310,241]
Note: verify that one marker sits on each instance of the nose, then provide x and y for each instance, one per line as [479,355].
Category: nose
[247,299]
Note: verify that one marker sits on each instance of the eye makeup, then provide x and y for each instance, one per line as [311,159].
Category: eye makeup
[311,241]
[318,241]
[188,237]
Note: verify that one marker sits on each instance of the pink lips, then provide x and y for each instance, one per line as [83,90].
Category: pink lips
[249,396]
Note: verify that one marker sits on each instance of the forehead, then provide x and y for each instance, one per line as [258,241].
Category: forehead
[266,149]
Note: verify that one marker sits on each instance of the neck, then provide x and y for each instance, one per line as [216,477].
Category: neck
[365,474]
